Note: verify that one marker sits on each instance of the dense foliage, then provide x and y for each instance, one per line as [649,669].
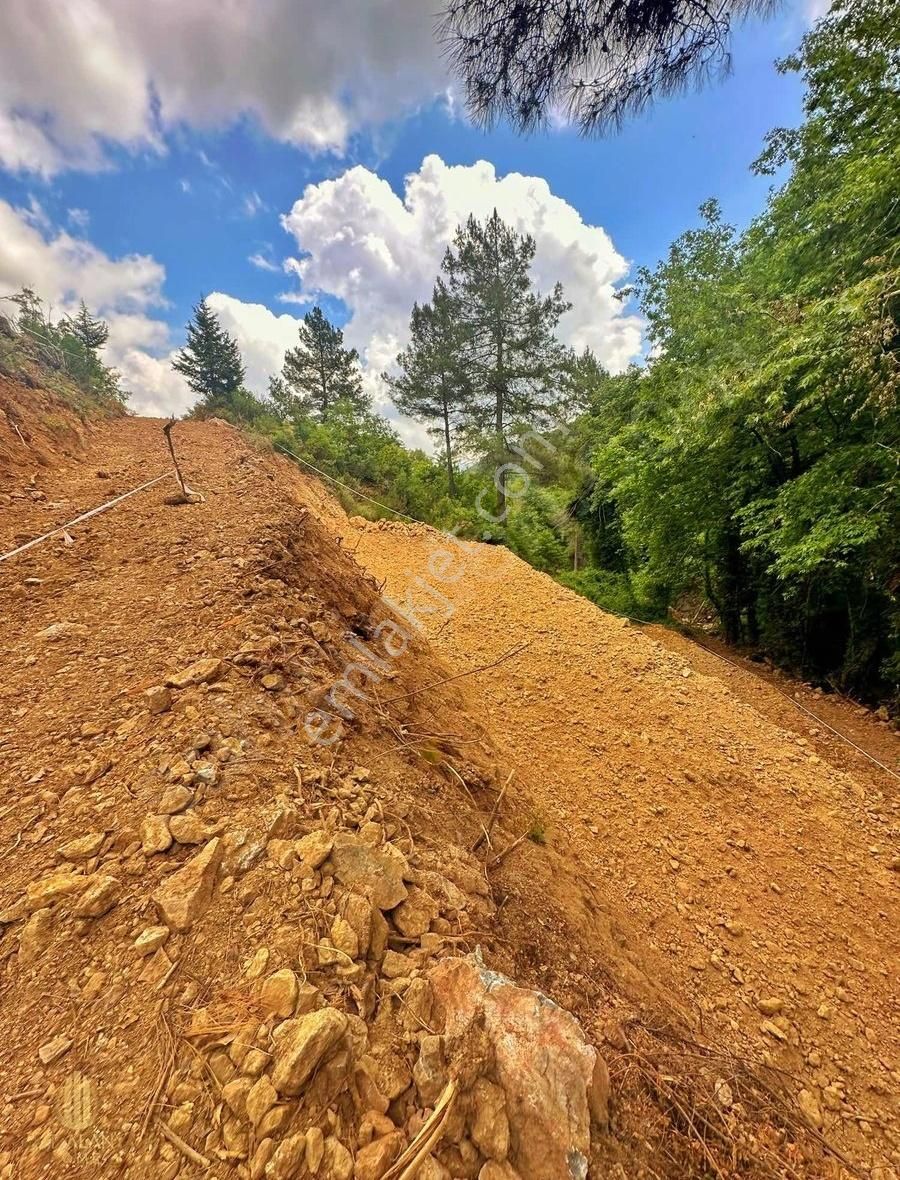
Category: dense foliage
[750,468]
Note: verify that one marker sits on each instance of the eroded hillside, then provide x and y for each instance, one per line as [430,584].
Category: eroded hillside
[227,950]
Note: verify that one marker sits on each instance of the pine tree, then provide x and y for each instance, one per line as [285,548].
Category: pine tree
[432,386]
[210,360]
[515,365]
[93,333]
[320,370]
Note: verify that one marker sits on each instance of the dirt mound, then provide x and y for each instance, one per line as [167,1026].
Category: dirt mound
[759,863]
[225,946]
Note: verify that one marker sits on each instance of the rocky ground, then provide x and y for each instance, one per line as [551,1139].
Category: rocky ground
[227,951]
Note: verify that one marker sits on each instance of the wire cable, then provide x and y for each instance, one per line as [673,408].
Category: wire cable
[346,486]
[84,516]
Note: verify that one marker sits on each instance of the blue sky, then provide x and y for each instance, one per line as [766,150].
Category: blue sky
[199,195]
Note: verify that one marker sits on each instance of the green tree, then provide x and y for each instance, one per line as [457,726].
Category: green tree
[210,360]
[93,333]
[432,385]
[319,370]
[514,363]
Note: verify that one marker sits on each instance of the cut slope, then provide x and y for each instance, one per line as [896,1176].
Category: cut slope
[757,871]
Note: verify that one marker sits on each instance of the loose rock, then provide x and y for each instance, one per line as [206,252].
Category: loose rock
[183,897]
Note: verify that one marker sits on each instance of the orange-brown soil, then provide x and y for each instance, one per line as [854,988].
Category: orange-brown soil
[707,889]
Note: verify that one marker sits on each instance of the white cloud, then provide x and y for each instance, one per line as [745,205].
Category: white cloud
[80,218]
[253,204]
[262,263]
[79,74]
[63,269]
[379,252]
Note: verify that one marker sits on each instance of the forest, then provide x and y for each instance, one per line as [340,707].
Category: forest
[743,478]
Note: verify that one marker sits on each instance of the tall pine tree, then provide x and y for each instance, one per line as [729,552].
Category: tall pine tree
[319,370]
[515,364]
[432,385]
[210,360]
[92,333]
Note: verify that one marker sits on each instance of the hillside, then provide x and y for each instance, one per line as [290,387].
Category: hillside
[710,894]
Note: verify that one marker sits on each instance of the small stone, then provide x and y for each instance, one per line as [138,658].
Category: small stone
[65,630]
[396,966]
[99,897]
[315,1148]
[175,799]
[374,1160]
[313,849]
[35,935]
[430,1071]
[278,994]
[769,1006]
[806,1100]
[257,963]
[82,848]
[155,834]
[286,1161]
[202,672]
[376,872]
[773,1030]
[724,1093]
[337,1162]
[48,890]
[273,682]
[53,1050]
[183,897]
[302,1044]
[260,1100]
[414,916]
[150,939]
[264,1151]
[190,829]
[158,699]
[235,1095]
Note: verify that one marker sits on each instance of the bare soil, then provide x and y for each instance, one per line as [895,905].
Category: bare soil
[689,857]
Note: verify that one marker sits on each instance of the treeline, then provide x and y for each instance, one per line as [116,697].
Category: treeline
[745,475]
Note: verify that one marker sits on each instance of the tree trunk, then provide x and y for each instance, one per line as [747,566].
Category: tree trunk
[451,479]
[731,589]
[499,405]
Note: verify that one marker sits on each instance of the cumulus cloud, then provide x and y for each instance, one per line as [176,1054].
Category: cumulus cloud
[77,75]
[63,269]
[379,252]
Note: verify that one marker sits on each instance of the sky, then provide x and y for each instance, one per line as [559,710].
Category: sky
[274,154]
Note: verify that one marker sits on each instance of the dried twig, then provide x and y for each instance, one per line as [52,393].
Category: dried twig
[486,832]
[427,1139]
[509,848]
[513,651]
[185,1148]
